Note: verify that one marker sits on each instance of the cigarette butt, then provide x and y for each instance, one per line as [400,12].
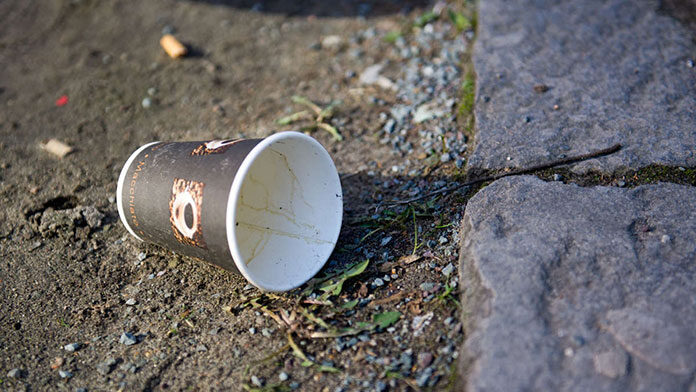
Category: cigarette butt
[172,46]
[57,148]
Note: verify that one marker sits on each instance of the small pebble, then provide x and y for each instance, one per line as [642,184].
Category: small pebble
[665,238]
[14,373]
[332,42]
[427,286]
[578,340]
[294,385]
[128,339]
[256,381]
[444,158]
[151,91]
[65,374]
[283,376]
[541,88]
[92,216]
[447,271]
[612,364]
[128,367]
[131,302]
[201,348]
[424,360]
[385,241]
[422,380]
[105,367]
[389,126]
[690,63]
[142,256]
[442,239]
[621,183]
[557,177]
[168,29]
[72,347]
[378,282]
[266,332]
[252,330]
[146,103]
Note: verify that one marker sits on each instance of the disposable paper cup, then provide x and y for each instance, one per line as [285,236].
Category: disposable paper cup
[270,209]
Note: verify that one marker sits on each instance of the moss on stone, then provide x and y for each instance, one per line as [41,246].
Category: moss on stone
[628,177]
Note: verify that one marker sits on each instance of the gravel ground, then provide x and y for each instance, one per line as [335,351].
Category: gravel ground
[86,306]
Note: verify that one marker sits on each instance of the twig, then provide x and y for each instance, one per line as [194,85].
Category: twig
[330,129]
[304,101]
[319,122]
[548,165]
[272,355]
[296,349]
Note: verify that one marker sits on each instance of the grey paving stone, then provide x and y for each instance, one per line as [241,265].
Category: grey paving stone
[617,69]
[579,289]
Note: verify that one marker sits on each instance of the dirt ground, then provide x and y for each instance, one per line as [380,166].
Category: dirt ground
[69,275]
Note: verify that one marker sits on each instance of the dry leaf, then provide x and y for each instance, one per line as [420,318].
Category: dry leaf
[414,307]
[409,259]
[396,297]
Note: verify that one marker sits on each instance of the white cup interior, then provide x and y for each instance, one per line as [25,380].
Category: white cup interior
[284,211]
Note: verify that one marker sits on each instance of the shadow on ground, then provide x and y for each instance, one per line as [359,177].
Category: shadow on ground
[322,8]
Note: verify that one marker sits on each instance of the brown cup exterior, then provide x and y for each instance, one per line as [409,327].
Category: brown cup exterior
[176,195]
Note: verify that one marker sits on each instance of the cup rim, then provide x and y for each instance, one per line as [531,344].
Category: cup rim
[119,188]
[234,193]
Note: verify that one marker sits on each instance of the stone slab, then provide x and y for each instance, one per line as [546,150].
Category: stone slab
[579,289]
[620,71]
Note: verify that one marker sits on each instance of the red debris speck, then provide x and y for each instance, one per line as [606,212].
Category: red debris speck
[62,100]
